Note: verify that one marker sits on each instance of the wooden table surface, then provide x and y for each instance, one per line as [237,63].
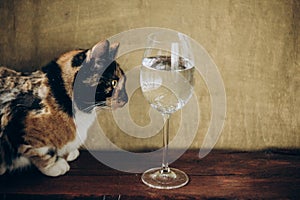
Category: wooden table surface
[270,174]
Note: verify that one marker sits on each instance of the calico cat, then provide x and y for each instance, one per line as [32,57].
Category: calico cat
[37,109]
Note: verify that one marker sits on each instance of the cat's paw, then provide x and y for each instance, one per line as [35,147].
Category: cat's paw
[60,167]
[2,170]
[72,155]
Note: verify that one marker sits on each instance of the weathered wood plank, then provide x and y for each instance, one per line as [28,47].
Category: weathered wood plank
[222,174]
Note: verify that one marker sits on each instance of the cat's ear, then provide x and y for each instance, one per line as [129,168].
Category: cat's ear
[101,49]
[113,50]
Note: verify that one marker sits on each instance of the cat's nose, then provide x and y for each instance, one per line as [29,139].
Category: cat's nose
[123,97]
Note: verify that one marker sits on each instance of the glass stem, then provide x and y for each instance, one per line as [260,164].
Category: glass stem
[165,164]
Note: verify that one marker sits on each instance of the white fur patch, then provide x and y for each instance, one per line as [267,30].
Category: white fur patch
[43,92]
[6,97]
[21,162]
[42,150]
[72,155]
[83,122]
[2,169]
[60,167]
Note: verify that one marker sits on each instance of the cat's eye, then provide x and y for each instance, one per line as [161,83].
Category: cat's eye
[114,83]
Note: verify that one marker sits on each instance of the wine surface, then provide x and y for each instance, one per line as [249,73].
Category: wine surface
[166,83]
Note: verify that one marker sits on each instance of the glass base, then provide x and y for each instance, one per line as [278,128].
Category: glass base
[169,178]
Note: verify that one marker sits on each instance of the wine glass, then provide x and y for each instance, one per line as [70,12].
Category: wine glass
[166,79]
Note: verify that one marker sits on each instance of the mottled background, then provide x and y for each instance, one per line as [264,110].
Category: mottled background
[255,44]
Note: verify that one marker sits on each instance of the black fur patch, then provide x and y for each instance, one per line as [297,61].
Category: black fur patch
[0,124]
[51,152]
[79,58]
[57,86]
[9,152]
[83,93]
[14,131]
[105,83]
[85,96]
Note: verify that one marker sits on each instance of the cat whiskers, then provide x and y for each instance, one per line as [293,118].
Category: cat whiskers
[95,105]
[102,105]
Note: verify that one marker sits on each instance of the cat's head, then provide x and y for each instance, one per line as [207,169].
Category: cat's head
[100,80]
[93,78]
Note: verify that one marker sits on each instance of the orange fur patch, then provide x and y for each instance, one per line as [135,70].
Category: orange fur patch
[54,128]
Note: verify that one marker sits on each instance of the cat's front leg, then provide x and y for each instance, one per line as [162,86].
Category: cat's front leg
[2,169]
[58,168]
[46,160]
[72,155]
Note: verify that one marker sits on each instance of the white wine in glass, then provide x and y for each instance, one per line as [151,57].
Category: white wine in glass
[166,78]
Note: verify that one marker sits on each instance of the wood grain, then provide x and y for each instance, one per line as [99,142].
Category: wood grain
[272,174]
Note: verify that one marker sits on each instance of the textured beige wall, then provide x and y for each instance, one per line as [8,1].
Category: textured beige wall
[255,44]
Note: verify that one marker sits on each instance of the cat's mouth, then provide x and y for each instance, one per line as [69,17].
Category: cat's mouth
[117,103]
